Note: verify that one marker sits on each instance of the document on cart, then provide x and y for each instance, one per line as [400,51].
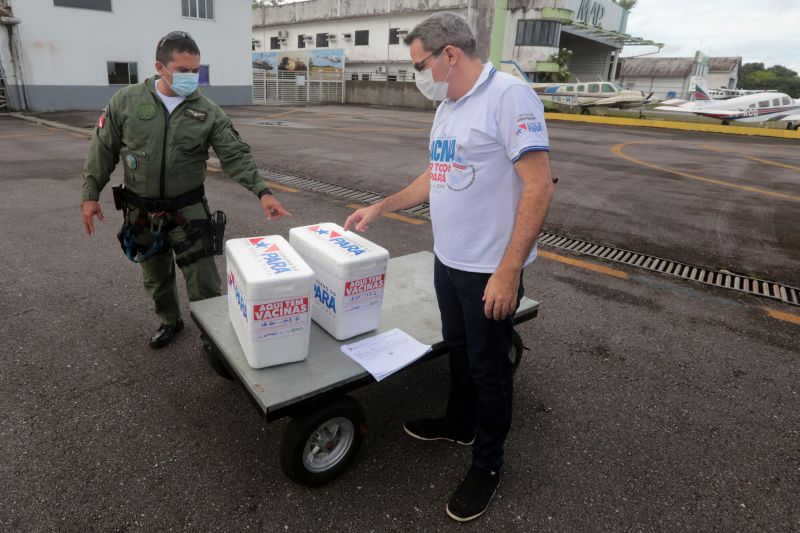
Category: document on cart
[386,353]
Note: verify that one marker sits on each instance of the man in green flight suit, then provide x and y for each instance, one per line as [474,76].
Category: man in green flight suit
[162,130]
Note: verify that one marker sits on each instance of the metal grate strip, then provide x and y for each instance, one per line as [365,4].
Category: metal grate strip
[722,279]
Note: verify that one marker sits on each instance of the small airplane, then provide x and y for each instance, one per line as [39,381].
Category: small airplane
[332,58]
[759,107]
[592,95]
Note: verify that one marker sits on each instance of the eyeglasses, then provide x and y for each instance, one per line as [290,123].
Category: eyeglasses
[174,36]
[421,65]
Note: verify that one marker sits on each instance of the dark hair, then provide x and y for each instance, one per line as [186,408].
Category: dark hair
[441,29]
[175,41]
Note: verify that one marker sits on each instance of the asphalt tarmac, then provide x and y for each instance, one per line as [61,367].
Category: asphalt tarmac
[644,403]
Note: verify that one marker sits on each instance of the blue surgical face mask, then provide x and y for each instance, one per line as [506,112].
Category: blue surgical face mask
[183,83]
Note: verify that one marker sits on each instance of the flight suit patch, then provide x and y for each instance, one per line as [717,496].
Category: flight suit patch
[131,161]
[197,115]
[145,111]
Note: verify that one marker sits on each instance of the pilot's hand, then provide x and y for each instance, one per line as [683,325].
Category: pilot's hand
[273,208]
[362,218]
[89,210]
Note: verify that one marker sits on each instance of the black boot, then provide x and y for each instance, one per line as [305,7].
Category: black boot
[165,334]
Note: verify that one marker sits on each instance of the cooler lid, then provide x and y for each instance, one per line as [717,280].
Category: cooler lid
[339,245]
[266,259]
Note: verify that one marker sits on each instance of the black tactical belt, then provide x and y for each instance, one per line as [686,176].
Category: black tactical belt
[150,205]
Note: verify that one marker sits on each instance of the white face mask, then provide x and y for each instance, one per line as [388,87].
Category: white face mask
[432,90]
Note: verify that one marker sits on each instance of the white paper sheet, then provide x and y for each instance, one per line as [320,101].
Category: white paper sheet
[386,353]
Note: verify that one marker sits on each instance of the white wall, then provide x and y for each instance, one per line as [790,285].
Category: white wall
[70,46]
[658,86]
[376,52]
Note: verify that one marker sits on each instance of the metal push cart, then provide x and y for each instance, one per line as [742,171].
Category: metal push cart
[327,426]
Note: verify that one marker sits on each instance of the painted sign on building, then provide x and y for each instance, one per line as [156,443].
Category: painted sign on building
[328,60]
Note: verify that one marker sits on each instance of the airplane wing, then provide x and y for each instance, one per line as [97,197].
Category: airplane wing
[712,113]
[793,118]
[616,101]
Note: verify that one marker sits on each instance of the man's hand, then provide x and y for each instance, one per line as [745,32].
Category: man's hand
[363,217]
[273,208]
[89,210]
[500,295]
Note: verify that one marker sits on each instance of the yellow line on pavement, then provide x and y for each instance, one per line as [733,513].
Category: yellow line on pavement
[674,125]
[279,187]
[617,149]
[25,135]
[782,315]
[583,264]
[771,163]
[395,216]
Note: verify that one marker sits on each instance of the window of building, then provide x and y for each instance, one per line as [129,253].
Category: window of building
[763,103]
[198,9]
[394,36]
[255,44]
[538,33]
[98,5]
[776,102]
[608,88]
[362,37]
[786,100]
[203,79]
[122,73]
[274,44]
[322,40]
[301,41]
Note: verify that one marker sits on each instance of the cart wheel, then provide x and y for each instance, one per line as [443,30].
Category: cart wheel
[318,446]
[516,350]
[213,360]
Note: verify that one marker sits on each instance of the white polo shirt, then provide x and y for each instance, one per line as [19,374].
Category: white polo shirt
[475,189]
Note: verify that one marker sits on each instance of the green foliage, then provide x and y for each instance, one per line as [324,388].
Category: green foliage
[562,59]
[777,77]
[627,4]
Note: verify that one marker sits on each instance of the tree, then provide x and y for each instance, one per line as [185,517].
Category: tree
[562,59]
[776,77]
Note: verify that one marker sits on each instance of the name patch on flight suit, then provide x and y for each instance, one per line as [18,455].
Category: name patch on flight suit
[197,115]
[145,111]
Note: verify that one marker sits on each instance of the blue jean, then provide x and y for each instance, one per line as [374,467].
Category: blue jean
[481,371]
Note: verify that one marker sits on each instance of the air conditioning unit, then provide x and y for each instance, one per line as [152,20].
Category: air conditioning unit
[283,34]
[308,38]
[331,36]
[347,36]
[379,70]
[402,32]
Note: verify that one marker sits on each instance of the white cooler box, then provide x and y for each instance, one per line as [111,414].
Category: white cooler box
[350,275]
[269,291]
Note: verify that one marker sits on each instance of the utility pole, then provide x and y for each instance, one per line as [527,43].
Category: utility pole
[480,16]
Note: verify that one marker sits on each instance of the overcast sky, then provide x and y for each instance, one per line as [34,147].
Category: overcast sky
[760,31]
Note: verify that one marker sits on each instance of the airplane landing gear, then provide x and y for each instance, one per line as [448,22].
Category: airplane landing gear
[792,126]
[726,122]
[584,111]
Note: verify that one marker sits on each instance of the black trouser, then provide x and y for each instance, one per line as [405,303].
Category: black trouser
[481,371]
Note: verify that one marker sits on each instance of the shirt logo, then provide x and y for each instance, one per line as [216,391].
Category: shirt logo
[197,115]
[145,111]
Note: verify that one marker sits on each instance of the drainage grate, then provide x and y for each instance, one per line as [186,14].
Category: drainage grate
[717,278]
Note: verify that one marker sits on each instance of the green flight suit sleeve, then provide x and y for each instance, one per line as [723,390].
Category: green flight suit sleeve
[103,153]
[234,154]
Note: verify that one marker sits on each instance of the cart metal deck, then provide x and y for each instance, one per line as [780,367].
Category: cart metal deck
[327,426]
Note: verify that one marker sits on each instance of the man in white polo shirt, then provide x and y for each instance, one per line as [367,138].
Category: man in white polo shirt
[489,187]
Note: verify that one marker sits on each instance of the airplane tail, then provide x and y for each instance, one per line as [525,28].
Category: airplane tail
[698,90]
